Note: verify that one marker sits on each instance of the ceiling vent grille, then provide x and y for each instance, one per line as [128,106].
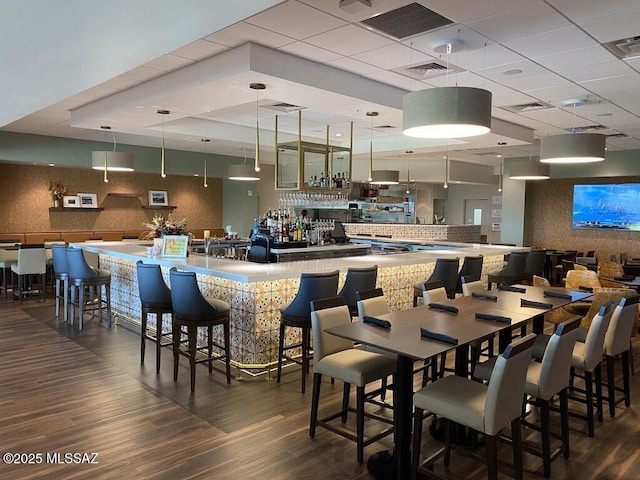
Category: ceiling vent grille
[527,107]
[625,48]
[586,129]
[617,135]
[284,107]
[407,21]
[423,71]
[383,127]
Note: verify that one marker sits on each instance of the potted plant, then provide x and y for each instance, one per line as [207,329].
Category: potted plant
[57,189]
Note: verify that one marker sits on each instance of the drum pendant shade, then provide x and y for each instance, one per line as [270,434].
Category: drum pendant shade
[573,148]
[446,112]
[115,161]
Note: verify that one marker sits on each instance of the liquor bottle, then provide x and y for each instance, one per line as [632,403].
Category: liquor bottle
[322,180]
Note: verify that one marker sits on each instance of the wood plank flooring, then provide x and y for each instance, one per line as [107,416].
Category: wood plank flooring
[67,391]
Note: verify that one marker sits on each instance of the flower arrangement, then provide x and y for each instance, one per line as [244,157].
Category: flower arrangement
[57,189]
[161,225]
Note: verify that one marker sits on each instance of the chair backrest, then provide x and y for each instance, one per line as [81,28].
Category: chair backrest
[587,260]
[433,295]
[540,281]
[151,285]
[328,313]
[555,370]
[446,270]
[471,270]
[610,269]
[313,286]
[577,279]
[186,298]
[371,303]
[59,255]
[515,265]
[534,265]
[591,253]
[506,385]
[623,257]
[259,251]
[604,296]
[31,261]
[631,269]
[618,335]
[77,264]
[469,287]
[594,343]
[358,279]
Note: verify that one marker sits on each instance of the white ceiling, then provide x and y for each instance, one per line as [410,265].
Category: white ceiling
[313,54]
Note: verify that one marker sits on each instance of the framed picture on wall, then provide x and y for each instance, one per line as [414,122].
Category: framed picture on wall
[71,201]
[175,246]
[88,200]
[158,198]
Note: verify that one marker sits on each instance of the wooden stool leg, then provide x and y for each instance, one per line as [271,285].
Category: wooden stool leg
[192,338]
[143,334]
[210,347]
[611,387]
[177,333]
[158,339]
[625,378]
[227,350]
[280,351]
[305,356]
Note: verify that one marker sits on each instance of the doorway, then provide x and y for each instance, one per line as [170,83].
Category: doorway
[476,212]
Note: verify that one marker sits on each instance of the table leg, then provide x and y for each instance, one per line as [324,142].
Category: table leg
[387,466]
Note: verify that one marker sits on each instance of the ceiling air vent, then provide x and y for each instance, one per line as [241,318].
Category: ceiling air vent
[407,21]
[383,127]
[625,48]
[586,129]
[422,71]
[617,135]
[527,107]
[284,107]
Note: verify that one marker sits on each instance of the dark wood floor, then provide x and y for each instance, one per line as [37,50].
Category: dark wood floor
[66,391]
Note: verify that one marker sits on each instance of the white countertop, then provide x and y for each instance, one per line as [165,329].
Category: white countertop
[248,272]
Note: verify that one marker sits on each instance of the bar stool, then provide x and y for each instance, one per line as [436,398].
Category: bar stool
[445,270]
[81,277]
[358,279]
[61,275]
[192,311]
[313,286]
[155,298]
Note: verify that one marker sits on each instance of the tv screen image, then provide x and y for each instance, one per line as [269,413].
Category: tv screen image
[607,206]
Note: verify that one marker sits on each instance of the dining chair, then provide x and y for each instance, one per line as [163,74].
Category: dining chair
[471,270]
[446,271]
[617,343]
[32,261]
[485,408]
[545,380]
[512,273]
[337,358]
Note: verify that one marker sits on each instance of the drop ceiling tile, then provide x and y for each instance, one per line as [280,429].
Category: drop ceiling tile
[536,82]
[349,40]
[393,56]
[199,50]
[296,20]
[586,10]
[614,27]
[612,84]
[581,56]
[633,63]
[351,65]
[470,41]
[583,73]
[142,73]
[511,98]
[466,12]
[557,95]
[521,22]
[392,79]
[493,55]
[243,32]
[555,41]
[306,50]
[528,69]
[168,63]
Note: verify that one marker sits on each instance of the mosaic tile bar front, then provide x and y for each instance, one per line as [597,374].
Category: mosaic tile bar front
[449,233]
[255,306]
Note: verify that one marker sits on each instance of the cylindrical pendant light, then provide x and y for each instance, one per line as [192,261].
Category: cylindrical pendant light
[573,148]
[163,169]
[528,170]
[242,172]
[446,112]
[205,141]
[370,171]
[111,161]
[257,87]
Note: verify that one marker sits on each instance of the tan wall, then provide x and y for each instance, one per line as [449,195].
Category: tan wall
[548,212]
[25,199]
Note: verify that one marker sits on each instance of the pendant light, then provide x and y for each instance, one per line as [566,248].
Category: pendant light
[163,169]
[529,169]
[447,112]
[111,160]
[257,87]
[501,176]
[242,172]
[573,147]
[370,173]
[379,177]
[407,191]
[205,141]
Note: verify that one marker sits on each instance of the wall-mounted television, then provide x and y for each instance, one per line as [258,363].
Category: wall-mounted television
[607,206]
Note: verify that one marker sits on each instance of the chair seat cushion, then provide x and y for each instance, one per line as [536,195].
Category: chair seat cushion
[455,397]
[220,305]
[357,367]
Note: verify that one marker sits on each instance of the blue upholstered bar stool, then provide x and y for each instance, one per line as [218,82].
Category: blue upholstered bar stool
[358,279]
[313,286]
[81,277]
[445,270]
[61,275]
[192,311]
[155,298]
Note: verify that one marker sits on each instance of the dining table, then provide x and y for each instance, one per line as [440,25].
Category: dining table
[459,328]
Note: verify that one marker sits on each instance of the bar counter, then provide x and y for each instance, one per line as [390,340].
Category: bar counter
[256,291]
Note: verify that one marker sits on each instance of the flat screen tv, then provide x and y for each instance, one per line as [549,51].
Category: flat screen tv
[607,206]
